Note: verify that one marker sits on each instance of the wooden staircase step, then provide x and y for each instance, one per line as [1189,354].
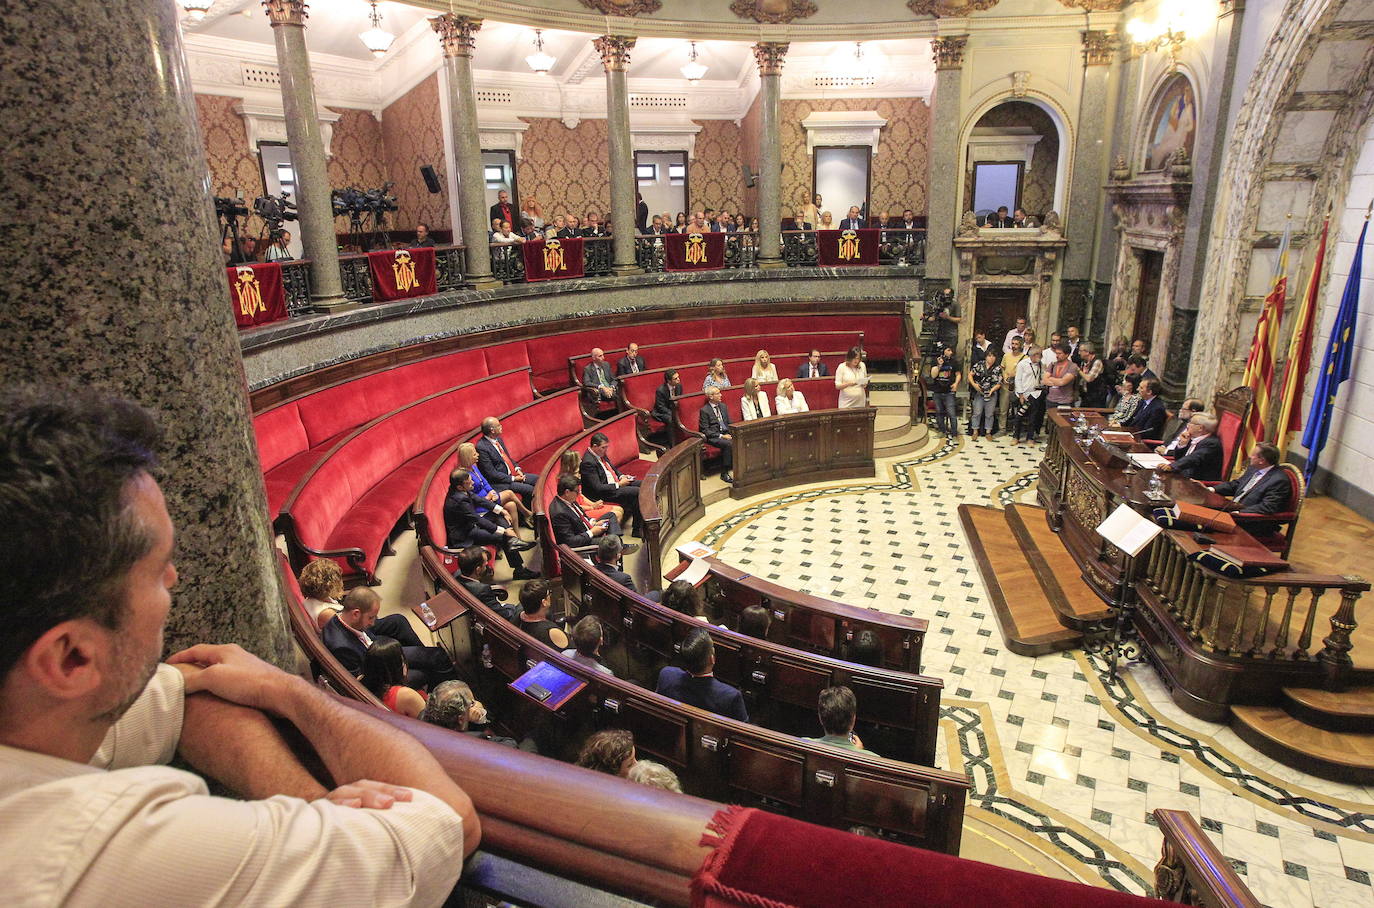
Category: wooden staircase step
[1344,711]
[1339,756]
[1029,621]
[1078,606]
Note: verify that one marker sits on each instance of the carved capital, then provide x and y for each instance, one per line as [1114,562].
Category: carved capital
[769,56]
[1098,47]
[778,12]
[949,52]
[285,12]
[456,33]
[615,51]
[629,8]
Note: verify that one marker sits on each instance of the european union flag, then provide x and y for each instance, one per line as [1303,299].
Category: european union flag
[1336,364]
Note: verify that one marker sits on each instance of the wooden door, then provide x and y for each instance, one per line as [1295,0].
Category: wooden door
[997,309]
[1147,297]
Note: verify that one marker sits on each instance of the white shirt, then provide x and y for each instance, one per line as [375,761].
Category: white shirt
[124,831]
[1013,333]
[767,374]
[797,403]
[1047,357]
[1028,374]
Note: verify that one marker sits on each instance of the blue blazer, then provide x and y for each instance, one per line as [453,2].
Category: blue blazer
[1205,461]
[704,693]
[1148,419]
[804,370]
[490,463]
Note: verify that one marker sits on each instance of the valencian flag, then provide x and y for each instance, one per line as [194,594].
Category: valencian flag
[693,251]
[257,293]
[402,273]
[547,260]
[847,247]
[1299,354]
[1336,365]
[1259,365]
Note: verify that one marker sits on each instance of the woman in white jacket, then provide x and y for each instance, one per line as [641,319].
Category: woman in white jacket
[754,403]
[789,399]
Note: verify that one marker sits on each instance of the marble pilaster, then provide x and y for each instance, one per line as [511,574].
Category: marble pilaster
[769,56]
[615,57]
[1084,205]
[314,203]
[456,35]
[144,311]
[943,180]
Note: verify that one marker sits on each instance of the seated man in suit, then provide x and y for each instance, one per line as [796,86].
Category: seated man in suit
[631,362]
[598,384]
[601,482]
[594,227]
[571,525]
[714,424]
[799,222]
[1148,419]
[349,633]
[1176,424]
[695,683]
[495,462]
[1197,451]
[837,710]
[1262,489]
[665,398]
[854,221]
[609,561]
[813,367]
[467,526]
[474,573]
[1000,218]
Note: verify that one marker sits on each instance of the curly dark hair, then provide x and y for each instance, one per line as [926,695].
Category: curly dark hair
[606,751]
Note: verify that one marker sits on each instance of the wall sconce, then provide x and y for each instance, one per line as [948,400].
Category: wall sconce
[1176,21]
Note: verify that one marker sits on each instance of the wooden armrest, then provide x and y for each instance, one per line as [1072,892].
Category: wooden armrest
[1281,517]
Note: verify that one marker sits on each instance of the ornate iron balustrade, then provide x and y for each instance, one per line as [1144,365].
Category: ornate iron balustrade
[596,256]
[450,264]
[357,281]
[799,248]
[507,263]
[295,279]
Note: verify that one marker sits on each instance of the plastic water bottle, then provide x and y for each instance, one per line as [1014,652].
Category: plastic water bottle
[427,615]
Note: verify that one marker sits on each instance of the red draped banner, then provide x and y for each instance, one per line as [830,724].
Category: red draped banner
[693,251]
[548,260]
[257,294]
[847,247]
[402,273]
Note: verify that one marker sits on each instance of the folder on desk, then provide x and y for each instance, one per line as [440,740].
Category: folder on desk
[1250,556]
[1207,518]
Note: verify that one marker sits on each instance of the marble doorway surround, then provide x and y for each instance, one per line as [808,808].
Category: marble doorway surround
[1015,258]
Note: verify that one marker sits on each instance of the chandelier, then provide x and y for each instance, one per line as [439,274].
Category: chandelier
[196,9]
[539,61]
[377,39]
[693,71]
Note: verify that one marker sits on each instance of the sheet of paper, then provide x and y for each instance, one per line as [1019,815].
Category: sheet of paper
[696,571]
[1127,530]
[1149,461]
[693,549]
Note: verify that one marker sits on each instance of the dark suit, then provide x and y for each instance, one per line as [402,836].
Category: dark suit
[664,405]
[505,212]
[641,215]
[427,665]
[704,693]
[598,230]
[597,487]
[493,467]
[486,594]
[804,370]
[1148,419]
[567,233]
[713,425]
[851,223]
[1273,494]
[995,220]
[804,225]
[572,527]
[615,573]
[627,366]
[467,526]
[1203,463]
[594,376]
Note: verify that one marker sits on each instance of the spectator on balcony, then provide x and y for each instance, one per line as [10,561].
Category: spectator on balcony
[665,398]
[384,670]
[631,363]
[654,775]
[502,210]
[714,423]
[603,482]
[598,384]
[572,525]
[280,248]
[851,380]
[554,227]
[507,501]
[422,237]
[564,227]
[799,222]
[764,370]
[533,212]
[611,751]
[504,236]
[812,209]
[999,218]
[827,221]
[715,375]
[881,223]
[724,223]
[493,229]
[1016,333]
[321,583]
[587,637]
[529,231]
[570,464]
[1092,377]
[695,683]
[594,227]
[753,404]
[854,220]
[741,223]
[475,574]
[789,399]
[680,222]
[754,622]
[658,228]
[234,253]
[813,367]
[350,634]
[534,616]
[909,224]
[1019,218]
[641,213]
[466,524]
[984,383]
[837,710]
[944,376]
[499,467]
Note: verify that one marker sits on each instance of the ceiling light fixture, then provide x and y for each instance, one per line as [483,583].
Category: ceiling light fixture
[693,71]
[539,61]
[1169,32]
[196,9]
[377,39]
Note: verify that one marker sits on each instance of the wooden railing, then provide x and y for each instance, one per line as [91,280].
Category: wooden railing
[900,247]
[817,446]
[1191,871]
[669,500]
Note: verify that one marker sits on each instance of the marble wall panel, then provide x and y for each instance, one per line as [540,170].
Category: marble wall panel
[414,135]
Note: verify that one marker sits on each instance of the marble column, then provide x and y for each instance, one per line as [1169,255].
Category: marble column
[140,310]
[944,176]
[306,142]
[768,55]
[1083,207]
[615,57]
[456,35]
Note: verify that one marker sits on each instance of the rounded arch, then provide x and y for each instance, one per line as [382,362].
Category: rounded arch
[1154,141]
[1054,108]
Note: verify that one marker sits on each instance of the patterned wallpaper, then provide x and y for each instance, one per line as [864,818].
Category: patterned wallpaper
[565,169]
[414,136]
[715,176]
[1037,190]
[899,170]
[233,168]
[358,151]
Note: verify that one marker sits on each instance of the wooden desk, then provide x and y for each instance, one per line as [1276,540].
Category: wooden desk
[817,446]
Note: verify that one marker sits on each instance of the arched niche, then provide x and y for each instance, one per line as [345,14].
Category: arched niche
[1050,156]
[1170,125]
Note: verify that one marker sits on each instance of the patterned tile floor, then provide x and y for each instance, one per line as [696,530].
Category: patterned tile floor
[1074,761]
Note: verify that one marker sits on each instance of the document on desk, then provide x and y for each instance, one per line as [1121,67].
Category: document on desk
[1127,530]
[695,549]
[696,571]
[1149,461]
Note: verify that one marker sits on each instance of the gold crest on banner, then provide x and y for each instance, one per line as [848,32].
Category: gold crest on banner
[403,269]
[696,249]
[553,257]
[849,246]
[248,293]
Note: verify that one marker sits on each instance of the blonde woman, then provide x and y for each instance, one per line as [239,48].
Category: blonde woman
[812,210]
[321,583]
[754,403]
[851,379]
[508,502]
[764,370]
[827,221]
[789,399]
[571,463]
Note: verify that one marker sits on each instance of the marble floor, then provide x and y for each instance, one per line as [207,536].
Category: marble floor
[1062,759]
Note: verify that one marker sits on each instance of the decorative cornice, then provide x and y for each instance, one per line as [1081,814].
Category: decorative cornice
[769,56]
[1098,47]
[615,51]
[629,8]
[285,12]
[1096,6]
[948,52]
[763,12]
[946,9]
[457,34]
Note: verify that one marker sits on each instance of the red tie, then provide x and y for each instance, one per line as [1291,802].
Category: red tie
[580,513]
[501,446]
[610,470]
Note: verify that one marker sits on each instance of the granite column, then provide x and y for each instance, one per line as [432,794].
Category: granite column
[140,310]
[769,56]
[941,215]
[305,138]
[615,57]
[456,35]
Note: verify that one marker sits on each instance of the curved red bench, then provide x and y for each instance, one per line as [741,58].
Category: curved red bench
[638,390]
[734,347]
[820,394]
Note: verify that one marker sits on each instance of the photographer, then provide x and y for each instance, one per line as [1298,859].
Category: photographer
[280,250]
[944,382]
[942,316]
